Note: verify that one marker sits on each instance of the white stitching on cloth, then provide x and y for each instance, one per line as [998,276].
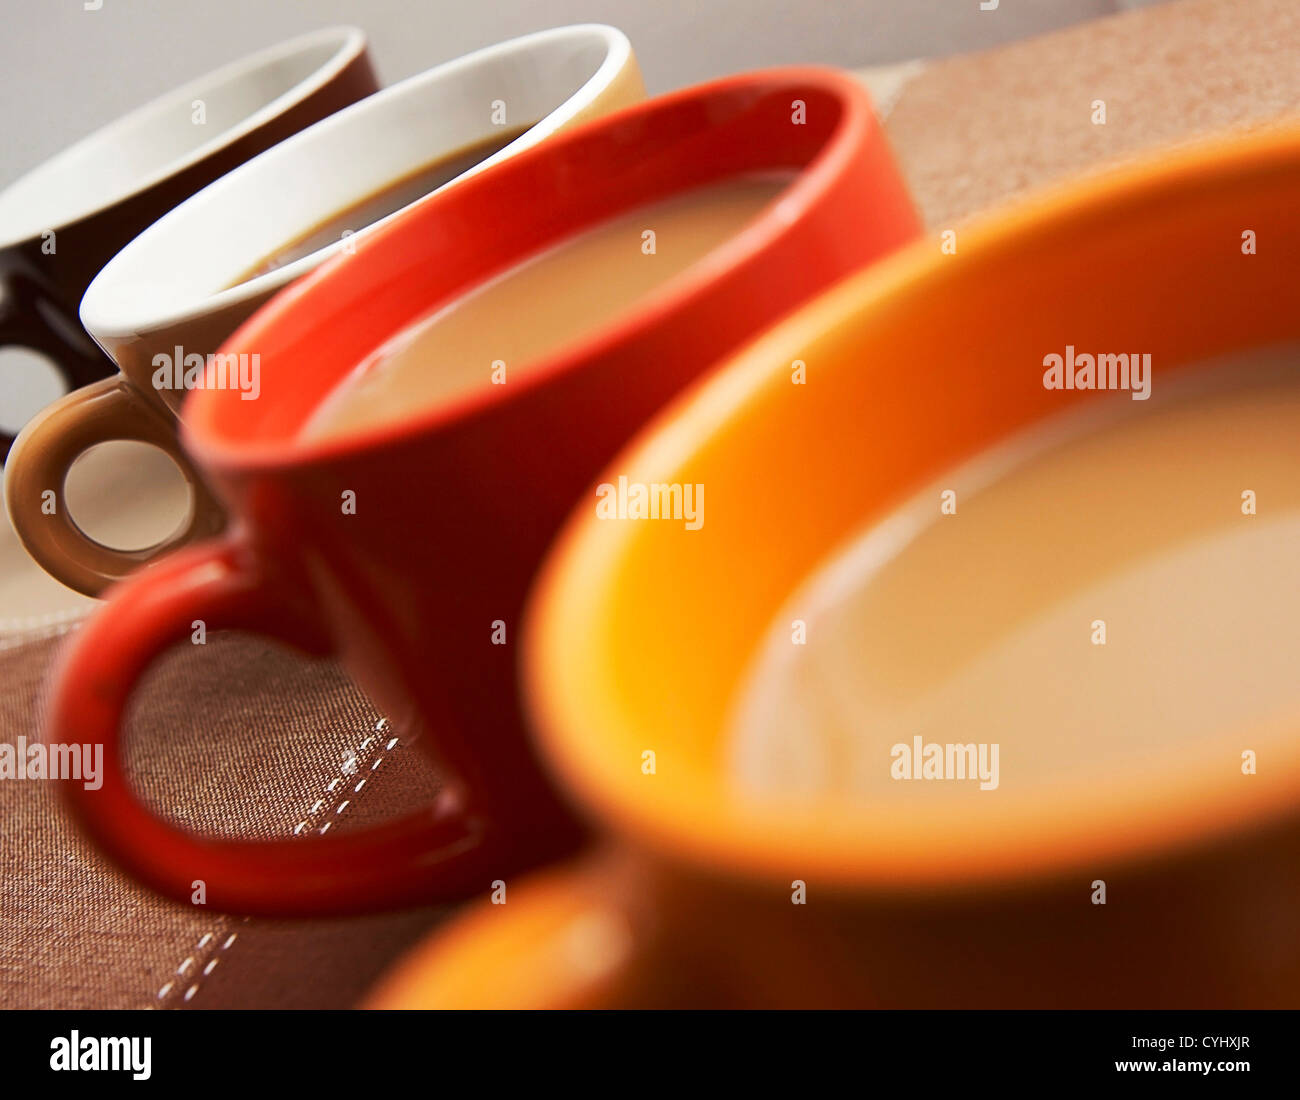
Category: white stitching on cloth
[180,990]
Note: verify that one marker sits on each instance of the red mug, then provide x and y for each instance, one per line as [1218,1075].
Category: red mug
[456,504]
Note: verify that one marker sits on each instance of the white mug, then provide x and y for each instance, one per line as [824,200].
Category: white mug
[170,298]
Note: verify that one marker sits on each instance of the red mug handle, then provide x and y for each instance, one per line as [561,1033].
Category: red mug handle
[435,854]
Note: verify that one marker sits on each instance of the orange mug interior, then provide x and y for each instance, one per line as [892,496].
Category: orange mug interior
[640,632]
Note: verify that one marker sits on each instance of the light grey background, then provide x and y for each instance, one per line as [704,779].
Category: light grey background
[66,71]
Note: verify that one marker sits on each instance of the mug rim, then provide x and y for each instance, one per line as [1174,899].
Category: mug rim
[351,44]
[168,235]
[790,206]
[578,729]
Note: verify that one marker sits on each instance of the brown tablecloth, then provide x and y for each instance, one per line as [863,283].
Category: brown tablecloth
[234,737]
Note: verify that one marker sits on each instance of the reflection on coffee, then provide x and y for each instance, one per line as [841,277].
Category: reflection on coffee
[387,200]
[500,330]
[1113,601]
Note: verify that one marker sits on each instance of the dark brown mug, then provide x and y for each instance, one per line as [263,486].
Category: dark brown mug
[65,219]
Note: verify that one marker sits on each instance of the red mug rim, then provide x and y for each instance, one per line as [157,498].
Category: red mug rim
[206,411]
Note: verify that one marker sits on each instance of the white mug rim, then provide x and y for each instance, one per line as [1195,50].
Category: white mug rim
[104,310]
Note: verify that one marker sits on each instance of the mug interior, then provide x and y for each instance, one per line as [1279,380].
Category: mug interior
[640,635]
[160,138]
[316,332]
[193,259]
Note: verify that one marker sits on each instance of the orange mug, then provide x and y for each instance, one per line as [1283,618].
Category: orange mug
[640,634]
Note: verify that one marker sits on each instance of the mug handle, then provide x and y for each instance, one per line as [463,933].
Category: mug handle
[434,854]
[26,321]
[44,452]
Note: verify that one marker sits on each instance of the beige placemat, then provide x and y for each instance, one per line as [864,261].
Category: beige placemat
[977,130]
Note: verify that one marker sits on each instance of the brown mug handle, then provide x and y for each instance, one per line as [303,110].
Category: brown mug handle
[38,466]
[30,318]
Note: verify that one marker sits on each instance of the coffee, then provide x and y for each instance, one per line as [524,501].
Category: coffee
[387,200]
[1112,600]
[501,329]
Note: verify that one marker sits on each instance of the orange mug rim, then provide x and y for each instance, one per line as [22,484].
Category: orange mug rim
[578,735]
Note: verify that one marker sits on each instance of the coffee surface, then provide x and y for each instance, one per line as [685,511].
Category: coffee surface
[498,331]
[1101,605]
[387,200]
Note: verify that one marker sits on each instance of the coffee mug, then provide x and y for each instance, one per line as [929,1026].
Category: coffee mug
[62,221]
[641,636]
[168,300]
[406,548]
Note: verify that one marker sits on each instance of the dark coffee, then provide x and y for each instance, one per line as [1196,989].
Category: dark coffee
[387,200]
